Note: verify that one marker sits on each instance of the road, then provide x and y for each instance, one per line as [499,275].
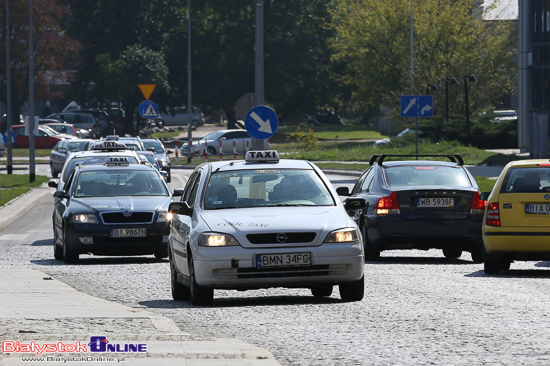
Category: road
[419,308]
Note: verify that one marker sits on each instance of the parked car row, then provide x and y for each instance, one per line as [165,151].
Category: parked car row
[226,142]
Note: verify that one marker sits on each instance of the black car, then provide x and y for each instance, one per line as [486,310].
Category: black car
[112,209]
[157,147]
[419,204]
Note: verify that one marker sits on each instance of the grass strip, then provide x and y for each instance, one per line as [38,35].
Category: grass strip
[7,195]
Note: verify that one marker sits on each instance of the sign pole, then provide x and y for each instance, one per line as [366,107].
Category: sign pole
[259,66]
[189,90]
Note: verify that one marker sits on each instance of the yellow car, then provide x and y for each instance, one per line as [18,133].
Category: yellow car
[516,226]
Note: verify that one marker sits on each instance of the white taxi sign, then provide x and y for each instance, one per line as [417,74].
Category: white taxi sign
[109,145]
[262,156]
[117,160]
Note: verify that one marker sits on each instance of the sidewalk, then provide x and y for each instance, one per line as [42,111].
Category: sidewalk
[36,309]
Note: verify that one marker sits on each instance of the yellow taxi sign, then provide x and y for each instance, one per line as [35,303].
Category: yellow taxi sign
[147,89]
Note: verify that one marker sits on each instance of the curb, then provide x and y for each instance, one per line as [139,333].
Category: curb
[16,208]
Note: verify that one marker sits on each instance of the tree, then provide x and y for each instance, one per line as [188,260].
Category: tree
[137,65]
[54,52]
[450,39]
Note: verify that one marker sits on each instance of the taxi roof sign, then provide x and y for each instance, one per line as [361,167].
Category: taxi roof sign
[117,160]
[109,145]
[262,156]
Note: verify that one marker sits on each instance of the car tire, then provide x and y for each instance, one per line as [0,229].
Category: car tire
[491,267]
[199,295]
[321,290]
[169,176]
[69,254]
[179,291]
[372,252]
[163,253]
[195,123]
[478,254]
[211,150]
[452,253]
[505,265]
[53,171]
[57,250]
[352,291]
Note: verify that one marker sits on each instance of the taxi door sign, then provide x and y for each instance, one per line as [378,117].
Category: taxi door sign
[261,122]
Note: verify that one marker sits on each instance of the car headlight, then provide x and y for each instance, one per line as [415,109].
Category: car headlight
[85,219]
[217,240]
[163,163]
[165,216]
[343,236]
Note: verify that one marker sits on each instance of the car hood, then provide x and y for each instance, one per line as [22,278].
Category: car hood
[120,203]
[241,221]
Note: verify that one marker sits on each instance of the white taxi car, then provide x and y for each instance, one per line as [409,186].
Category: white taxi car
[263,222]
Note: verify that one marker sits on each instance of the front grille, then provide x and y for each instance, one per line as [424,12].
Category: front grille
[308,271]
[271,238]
[134,218]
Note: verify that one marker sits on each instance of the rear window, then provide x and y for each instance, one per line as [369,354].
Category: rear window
[427,175]
[526,180]
[100,159]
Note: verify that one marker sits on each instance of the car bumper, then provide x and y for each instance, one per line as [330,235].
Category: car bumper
[517,243]
[155,242]
[235,267]
[397,233]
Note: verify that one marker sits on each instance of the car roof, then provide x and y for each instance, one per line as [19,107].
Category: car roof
[98,167]
[243,165]
[418,162]
[528,163]
[103,152]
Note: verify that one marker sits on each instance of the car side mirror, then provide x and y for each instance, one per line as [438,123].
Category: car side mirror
[180,208]
[355,203]
[178,192]
[52,183]
[64,151]
[168,152]
[60,194]
[342,191]
[484,196]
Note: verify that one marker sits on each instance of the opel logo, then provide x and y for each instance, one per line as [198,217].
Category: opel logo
[127,213]
[281,238]
[547,196]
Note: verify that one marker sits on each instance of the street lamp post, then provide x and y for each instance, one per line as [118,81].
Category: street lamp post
[453,82]
[472,79]
[431,87]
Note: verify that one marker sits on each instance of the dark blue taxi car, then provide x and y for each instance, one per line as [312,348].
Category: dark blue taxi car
[112,209]
[419,204]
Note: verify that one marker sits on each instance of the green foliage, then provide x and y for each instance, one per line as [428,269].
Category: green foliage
[450,39]
[485,133]
[21,180]
[306,140]
[485,184]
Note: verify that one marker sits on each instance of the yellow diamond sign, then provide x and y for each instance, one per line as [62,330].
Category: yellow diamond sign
[147,89]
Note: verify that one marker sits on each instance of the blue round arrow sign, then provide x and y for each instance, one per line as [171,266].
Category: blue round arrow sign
[261,122]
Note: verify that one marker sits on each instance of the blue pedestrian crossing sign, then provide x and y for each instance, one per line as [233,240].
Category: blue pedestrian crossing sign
[148,109]
[417,106]
[261,122]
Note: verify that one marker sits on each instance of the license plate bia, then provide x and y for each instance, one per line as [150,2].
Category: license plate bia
[283,260]
[435,202]
[139,232]
[537,208]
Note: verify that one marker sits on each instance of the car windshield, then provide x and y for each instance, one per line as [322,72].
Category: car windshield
[114,182]
[152,160]
[78,145]
[526,180]
[50,131]
[132,146]
[159,149]
[427,175]
[89,160]
[213,136]
[266,187]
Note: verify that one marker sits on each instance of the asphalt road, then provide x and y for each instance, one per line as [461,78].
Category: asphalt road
[419,308]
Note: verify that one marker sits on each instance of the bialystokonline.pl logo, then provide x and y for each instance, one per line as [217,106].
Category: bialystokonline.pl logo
[97,344]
